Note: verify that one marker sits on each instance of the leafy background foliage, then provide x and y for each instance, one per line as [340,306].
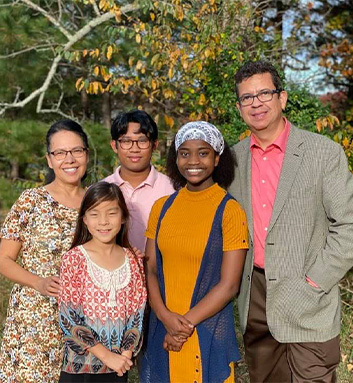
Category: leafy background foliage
[90,59]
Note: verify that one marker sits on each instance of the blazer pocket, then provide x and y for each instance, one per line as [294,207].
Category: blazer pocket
[315,290]
[302,191]
[297,303]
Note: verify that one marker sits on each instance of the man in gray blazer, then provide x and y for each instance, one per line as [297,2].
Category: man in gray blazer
[297,193]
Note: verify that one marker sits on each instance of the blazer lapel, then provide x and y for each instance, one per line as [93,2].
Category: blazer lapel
[290,166]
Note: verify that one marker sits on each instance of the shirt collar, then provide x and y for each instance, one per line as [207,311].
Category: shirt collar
[152,177]
[150,180]
[281,140]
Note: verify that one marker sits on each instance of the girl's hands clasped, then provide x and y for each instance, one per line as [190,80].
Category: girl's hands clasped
[171,343]
[177,325]
[179,329]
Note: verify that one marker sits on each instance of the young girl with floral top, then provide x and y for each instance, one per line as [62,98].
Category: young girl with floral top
[103,293]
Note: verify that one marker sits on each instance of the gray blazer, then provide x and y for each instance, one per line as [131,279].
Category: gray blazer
[310,234]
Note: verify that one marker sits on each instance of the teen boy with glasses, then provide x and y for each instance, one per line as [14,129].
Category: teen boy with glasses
[134,138]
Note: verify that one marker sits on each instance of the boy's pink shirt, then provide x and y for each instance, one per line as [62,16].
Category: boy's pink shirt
[140,200]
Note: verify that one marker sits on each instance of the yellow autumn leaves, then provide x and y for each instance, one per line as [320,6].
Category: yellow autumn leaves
[162,57]
[109,6]
[329,121]
[95,87]
[109,52]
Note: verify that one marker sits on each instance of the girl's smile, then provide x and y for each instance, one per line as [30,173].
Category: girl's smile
[104,221]
[196,160]
[194,171]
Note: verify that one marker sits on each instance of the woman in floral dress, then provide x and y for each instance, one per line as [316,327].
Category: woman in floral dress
[37,231]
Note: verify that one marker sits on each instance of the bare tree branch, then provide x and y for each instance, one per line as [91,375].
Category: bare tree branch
[71,41]
[56,109]
[49,17]
[96,9]
[7,5]
[34,48]
[60,9]
[18,92]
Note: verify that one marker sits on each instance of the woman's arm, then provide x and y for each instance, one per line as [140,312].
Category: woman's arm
[9,250]
[175,324]
[224,291]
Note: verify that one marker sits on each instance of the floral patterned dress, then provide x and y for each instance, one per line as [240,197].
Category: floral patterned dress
[31,348]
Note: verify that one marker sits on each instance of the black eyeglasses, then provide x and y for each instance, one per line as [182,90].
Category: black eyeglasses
[127,143]
[61,154]
[265,95]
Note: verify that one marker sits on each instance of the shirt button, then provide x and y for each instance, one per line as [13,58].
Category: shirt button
[265,158]
[263,181]
[264,205]
[265,228]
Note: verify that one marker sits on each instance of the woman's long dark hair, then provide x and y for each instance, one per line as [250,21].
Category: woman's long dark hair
[223,173]
[96,194]
[68,126]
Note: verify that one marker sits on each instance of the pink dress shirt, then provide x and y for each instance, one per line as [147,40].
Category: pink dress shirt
[266,168]
[140,200]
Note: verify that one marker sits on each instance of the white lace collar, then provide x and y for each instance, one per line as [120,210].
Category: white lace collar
[107,280]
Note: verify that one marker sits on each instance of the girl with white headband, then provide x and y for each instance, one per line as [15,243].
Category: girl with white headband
[197,240]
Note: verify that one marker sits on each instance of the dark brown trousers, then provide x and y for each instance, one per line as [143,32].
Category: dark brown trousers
[271,361]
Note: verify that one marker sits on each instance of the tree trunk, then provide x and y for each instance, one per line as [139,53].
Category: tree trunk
[15,169]
[106,110]
[85,103]
[350,92]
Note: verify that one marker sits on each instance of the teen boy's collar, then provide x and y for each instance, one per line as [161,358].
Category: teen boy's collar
[150,180]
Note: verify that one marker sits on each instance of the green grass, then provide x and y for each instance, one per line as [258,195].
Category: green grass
[5,287]
[345,370]
[345,375]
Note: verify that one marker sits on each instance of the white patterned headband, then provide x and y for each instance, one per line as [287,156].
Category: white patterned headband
[200,130]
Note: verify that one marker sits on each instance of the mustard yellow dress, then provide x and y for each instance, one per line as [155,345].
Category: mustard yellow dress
[182,239]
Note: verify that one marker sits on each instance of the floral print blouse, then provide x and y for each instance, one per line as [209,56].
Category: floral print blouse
[98,305]
[31,347]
